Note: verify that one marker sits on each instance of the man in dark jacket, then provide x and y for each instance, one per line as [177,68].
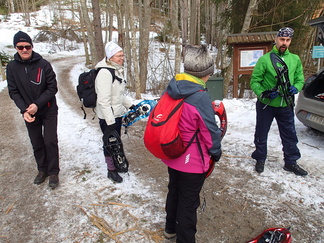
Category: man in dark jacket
[32,85]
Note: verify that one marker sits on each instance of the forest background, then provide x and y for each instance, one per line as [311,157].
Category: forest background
[175,23]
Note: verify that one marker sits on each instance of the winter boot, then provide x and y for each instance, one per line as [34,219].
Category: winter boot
[294,167]
[259,166]
[114,176]
[40,178]
[53,181]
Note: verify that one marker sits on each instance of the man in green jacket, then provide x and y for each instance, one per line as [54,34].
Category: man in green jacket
[271,103]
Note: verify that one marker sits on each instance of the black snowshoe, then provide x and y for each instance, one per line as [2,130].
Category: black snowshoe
[114,146]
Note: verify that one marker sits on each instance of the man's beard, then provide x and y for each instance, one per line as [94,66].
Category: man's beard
[282,49]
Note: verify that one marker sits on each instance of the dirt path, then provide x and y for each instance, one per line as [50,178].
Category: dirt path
[31,213]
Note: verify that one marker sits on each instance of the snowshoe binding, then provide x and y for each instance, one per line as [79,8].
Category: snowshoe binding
[139,111]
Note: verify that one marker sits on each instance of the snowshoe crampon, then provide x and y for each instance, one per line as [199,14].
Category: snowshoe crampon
[114,146]
[273,235]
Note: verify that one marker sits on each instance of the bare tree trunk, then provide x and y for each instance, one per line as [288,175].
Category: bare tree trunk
[212,28]
[25,10]
[94,56]
[134,55]
[33,9]
[109,21]
[245,28]
[121,7]
[73,9]
[221,29]
[198,22]
[249,14]
[207,21]
[111,24]
[97,30]
[192,22]
[144,28]
[84,37]
[11,6]
[184,21]
[176,34]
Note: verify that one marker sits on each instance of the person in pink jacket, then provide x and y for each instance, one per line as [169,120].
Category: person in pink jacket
[187,173]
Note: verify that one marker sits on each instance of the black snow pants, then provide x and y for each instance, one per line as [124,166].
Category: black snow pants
[43,136]
[182,203]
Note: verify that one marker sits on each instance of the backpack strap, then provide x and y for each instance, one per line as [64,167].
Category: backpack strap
[112,71]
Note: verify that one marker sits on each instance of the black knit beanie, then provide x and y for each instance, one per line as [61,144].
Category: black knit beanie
[22,37]
[198,61]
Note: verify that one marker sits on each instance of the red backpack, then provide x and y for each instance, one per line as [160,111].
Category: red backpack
[162,135]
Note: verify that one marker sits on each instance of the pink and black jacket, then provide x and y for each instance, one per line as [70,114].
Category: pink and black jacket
[198,115]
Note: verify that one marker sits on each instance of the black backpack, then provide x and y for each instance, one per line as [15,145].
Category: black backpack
[86,87]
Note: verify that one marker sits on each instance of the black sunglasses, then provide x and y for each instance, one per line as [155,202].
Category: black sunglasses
[22,47]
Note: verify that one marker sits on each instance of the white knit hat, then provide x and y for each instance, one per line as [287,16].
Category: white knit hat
[111,49]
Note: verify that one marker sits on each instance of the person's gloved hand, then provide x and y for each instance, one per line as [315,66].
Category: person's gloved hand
[269,94]
[217,156]
[293,90]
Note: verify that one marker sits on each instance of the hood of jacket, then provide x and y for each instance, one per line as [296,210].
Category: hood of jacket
[184,85]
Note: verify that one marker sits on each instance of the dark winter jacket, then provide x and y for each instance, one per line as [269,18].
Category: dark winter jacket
[197,114]
[32,81]
[263,76]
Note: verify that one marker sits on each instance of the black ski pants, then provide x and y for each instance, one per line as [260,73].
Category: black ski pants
[286,125]
[43,136]
[182,203]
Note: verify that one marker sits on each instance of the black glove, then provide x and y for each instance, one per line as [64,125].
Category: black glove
[217,156]
[132,107]
[269,94]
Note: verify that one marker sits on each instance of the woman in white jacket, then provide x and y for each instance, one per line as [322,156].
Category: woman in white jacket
[111,100]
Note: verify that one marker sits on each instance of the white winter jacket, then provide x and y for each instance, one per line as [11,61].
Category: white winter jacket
[111,99]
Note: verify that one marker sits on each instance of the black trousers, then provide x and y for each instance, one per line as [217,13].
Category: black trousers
[182,203]
[43,136]
[286,125]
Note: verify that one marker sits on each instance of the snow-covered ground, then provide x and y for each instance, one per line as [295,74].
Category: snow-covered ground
[238,142]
